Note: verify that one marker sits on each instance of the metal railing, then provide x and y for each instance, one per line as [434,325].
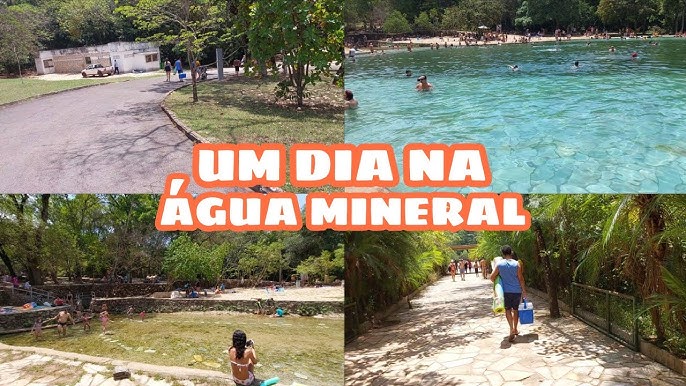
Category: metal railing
[610,312]
[352,321]
[31,294]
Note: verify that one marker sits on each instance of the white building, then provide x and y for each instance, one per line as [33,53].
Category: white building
[130,56]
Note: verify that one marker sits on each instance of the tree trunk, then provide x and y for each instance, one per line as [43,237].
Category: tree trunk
[191,61]
[6,260]
[551,282]
[653,282]
[299,88]
[44,211]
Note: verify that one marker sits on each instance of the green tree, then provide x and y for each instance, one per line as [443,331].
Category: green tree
[396,23]
[625,13]
[21,30]
[451,19]
[308,34]
[190,25]
[263,259]
[88,22]
[474,13]
[322,266]
[187,260]
[423,24]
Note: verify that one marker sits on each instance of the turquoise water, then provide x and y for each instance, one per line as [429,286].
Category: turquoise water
[615,124]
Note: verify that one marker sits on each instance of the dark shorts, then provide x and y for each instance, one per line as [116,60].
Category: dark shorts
[512,300]
[62,324]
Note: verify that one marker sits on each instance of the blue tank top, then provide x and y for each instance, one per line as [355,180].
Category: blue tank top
[508,273]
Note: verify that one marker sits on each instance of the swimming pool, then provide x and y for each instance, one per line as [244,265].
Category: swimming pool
[615,124]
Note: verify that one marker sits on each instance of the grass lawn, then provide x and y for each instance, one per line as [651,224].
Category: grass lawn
[304,349]
[12,90]
[245,110]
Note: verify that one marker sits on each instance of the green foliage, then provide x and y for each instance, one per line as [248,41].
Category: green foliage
[186,260]
[423,24]
[87,22]
[451,19]
[626,243]
[396,23]
[382,267]
[262,259]
[625,13]
[324,265]
[474,13]
[308,35]
[21,31]
[190,25]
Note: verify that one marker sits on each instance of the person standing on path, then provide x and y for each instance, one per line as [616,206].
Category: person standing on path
[167,70]
[116,67]
[512,276]
[179,68]
[452,269]
[463,269]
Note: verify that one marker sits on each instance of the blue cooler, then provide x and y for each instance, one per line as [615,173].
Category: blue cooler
[526,312]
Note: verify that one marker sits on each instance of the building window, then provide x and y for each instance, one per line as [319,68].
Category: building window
[151,58]
[47,63]
[88,60]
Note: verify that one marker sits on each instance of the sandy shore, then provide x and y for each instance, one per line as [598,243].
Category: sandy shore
[322,294]
[511,39]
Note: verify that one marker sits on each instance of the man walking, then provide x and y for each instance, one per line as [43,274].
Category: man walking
[512,276]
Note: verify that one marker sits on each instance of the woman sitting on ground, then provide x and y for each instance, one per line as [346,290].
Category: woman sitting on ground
[243,359]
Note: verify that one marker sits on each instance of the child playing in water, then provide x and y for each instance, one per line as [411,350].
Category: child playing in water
[87,321]
[104,318]
[37,328]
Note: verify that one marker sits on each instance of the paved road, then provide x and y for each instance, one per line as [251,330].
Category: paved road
[450,337]
[105,139]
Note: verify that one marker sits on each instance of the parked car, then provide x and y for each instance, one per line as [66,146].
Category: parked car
[97,69]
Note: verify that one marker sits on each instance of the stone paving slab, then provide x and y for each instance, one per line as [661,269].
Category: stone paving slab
[37,366]
[451,337]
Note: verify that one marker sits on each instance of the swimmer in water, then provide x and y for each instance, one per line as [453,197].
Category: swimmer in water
[576,64]
[612,49]
[423,84]
[514,68]
[408,73]
[350,102]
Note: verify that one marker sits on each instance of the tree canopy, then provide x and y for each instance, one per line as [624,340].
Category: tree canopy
[57,236]
[452,15]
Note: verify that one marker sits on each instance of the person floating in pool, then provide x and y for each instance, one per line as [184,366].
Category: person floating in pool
[514,68]
[423,84]
[612,49]
[634,55]
[408,73]
[350,102]
[576,65]
[243,359]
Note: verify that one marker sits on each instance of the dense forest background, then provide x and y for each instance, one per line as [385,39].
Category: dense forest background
[72,237]
[428,17]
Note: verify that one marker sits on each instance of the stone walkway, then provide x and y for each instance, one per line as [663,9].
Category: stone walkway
[451,337]
[33,366]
